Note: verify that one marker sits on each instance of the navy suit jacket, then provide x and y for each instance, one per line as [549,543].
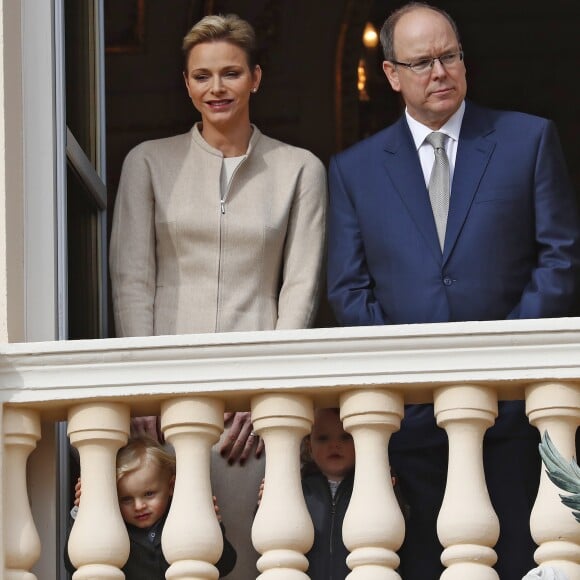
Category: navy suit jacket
[512,247]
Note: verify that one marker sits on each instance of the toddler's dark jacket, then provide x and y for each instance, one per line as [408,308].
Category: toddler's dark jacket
[327,558]
[146,561]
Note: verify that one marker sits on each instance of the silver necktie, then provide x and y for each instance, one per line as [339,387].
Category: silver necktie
[439,191]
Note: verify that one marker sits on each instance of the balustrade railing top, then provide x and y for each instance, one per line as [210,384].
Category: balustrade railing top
[414,358]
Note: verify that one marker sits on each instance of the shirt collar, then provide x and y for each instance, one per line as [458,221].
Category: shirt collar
[451,128]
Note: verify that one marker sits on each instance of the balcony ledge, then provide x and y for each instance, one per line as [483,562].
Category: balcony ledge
[509,354]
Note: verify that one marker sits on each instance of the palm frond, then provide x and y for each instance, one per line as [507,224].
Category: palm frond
[564,474]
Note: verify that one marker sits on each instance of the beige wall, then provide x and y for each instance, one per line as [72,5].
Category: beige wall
[11,182]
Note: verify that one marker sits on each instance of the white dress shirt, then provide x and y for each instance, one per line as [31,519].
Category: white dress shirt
[426,151]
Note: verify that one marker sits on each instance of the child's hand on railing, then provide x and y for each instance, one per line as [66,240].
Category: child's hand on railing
[77,499]
[260,492]
[216,507]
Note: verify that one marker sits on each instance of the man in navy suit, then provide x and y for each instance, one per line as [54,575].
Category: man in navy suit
[510,249]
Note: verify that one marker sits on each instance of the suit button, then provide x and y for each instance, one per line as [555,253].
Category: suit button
[447,281]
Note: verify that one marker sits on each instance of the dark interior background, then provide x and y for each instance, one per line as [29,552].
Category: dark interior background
[520,54]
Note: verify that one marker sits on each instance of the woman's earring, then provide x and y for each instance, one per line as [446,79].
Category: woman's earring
[255,90]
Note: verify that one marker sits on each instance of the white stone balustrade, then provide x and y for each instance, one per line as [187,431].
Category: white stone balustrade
[555,407]
[192,540]
[463,367]
[467,525]
[21,541]
[282,531]
[373,526]
[98,545]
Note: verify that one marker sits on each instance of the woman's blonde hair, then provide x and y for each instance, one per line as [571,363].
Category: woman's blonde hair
[229,28]
[141,450]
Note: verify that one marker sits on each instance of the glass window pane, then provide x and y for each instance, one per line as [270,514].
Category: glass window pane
[80,74]
[83,261]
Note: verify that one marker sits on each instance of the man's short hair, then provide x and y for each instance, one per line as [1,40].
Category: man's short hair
[388,29]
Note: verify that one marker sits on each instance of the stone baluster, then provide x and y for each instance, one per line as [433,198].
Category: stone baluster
[555,408]
[282,530]
[21,541]
[98,545]
[192,539]
[467,526]
[374,526]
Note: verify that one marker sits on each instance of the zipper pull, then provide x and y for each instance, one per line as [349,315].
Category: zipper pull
[223,206]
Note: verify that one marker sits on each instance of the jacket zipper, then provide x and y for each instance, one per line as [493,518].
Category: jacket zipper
[333,502]
[223,212]
[229,186]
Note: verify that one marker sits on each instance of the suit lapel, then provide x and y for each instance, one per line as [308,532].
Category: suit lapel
[473,155]
[404,168]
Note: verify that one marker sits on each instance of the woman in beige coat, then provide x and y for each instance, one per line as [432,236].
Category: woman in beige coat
[220,229]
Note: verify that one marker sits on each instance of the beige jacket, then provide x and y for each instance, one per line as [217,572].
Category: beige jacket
[182,262]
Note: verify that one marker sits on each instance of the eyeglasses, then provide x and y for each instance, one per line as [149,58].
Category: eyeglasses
[426,64]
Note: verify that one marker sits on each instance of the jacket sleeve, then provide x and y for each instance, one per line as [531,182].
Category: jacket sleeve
[132,252]
[553,287]
[304,249]
[350,285]
[228,558]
